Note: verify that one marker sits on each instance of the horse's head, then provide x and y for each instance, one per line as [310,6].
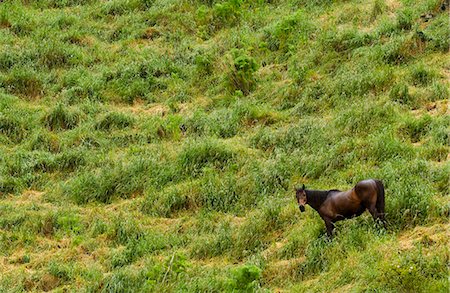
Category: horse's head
[300,195]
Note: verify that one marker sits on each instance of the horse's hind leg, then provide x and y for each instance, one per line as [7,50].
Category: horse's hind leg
[377,215]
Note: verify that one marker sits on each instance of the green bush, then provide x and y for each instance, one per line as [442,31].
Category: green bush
[410,199]
[61,118]
[416,128]
[44,141]
[114,120]
[218,243]
[218,192]
[405,19]
[378,8]
[58,3]
[119,180]
[62,272]
[227,13]
[342,41]
[168,201]
[413,271]
[139,77]
[439,92]
[13,127]
[385,146]
[439,130]
[398,50]
[240,77]
[23,82]
[439,35]
[196,155]
[152,146]
[362,80]
[117,8]
[246,278]
[365,118]
[316,258]
[400,93]
[421,75]
[288,31]
[55,54]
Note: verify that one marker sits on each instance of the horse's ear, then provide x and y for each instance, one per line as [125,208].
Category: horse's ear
[303,187]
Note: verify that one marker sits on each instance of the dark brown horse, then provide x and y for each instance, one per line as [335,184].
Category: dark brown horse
[334,205]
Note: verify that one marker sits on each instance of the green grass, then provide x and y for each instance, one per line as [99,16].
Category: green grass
[155,145]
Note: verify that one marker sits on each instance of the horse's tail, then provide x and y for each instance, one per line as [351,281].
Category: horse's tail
[380,198]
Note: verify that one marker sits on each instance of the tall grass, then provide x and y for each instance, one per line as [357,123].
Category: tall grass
[154,145]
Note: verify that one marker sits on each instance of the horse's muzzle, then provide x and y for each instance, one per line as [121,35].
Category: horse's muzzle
[302,208]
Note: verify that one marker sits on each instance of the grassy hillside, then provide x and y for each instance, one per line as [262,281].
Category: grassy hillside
[153,145]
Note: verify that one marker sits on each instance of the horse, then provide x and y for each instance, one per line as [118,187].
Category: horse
[335,205]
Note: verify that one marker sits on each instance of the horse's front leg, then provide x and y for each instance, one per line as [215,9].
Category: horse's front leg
[330,227]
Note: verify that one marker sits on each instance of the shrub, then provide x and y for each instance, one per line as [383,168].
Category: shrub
[114,120]
[125,280]
[224,123]
[341,41]
[271,176]
[217,243]
[24,82]
[204,63]
[240,77]
[119,180]
[316,258]
[245,278]
[44,140]
[62,272]
[435,152]
[421,75]
[117,7]
[365,118]
[61,118]
[410,199]
[439,92]
[70,160]
[69,222]
[13,127]
[288,31]
[196,155]
[439,130]
[362,80]
[438,33]
[385,146]
[305,136]
[227,13]
[124,230]
[10,184]
[416,128]
[378,8]
[58,3]
[299,238]
[400,93]
[413,271]
[138,246]
[55,54]
[139,77]
[399,50]
[218,192]
[168,201]
[79,85]
[405,19]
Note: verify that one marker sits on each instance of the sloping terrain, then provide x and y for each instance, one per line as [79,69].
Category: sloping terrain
[154,145]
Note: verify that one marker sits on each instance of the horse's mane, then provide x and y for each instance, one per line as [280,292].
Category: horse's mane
[315,198]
